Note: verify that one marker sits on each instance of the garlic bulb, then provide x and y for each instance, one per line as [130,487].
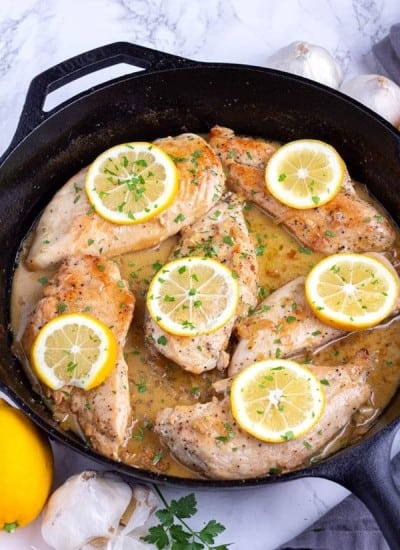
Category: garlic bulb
[136,524]
[87,510]
[378,93]
[308,60]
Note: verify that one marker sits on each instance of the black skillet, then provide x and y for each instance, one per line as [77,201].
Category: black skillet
[169,96]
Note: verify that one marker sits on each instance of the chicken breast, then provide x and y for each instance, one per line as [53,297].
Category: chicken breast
[69,226]
[206,438]
[282,325]
[221,234]
[93,285]
[346,223]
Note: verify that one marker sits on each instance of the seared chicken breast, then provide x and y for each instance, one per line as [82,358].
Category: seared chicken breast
[221,234]
[69,226]
[282,325]
[93,285]
[346,223]
[206,437]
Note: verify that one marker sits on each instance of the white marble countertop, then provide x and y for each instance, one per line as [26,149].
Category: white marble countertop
[36,34]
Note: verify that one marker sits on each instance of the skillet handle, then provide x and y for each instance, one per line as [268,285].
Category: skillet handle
[80,65]
[366,472]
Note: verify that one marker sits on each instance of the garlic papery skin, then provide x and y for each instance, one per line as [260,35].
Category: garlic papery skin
[377,92]
[135,524]
[308,60]
[87,506]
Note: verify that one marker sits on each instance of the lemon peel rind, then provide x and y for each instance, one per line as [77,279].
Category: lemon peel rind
[26,466]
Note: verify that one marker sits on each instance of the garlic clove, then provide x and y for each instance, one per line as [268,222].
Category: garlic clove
[377,92]
[87,506]
[137,520]
[145,503]
[308,60]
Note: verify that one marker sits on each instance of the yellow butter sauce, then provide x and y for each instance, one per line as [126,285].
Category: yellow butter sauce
[155,382]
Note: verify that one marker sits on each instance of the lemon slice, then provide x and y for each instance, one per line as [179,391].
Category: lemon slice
[192,296]
[352,291]
[131,183]
[276,400]
[74,349]
[305,173]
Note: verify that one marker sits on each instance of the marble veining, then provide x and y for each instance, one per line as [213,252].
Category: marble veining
[37,34]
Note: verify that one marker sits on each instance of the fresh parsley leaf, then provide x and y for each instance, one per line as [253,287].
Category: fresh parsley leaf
[173,533]
[166,517]
[185,507]
[158,536]
[178,534]
[210,531]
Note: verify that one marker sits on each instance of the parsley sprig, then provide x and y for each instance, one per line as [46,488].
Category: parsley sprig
[173,533]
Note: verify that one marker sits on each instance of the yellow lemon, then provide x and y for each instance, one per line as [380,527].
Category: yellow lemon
[74,349]
[26,469]
[276,400]
[192,296]
[305,173]
[131,183]
[352,291]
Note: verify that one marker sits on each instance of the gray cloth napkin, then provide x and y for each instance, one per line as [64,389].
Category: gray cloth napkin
[348,526]
[387,54]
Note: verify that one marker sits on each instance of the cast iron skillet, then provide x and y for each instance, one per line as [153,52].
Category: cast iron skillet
[169,96]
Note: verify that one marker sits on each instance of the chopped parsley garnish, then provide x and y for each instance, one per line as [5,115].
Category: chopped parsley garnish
[288,435]
[141,386]
[228,240]
[180,218]
[305,250]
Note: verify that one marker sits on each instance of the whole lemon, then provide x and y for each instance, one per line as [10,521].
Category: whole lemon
[26,469]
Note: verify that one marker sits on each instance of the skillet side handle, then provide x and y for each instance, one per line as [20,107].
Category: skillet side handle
[366,471]
[80,65]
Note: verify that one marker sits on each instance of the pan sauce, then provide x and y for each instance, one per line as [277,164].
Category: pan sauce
[155,382]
